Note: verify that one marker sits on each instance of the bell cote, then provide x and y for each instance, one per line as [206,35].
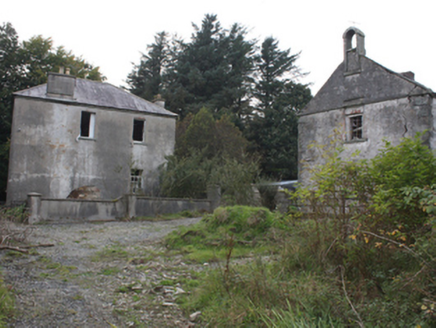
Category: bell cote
[354,47]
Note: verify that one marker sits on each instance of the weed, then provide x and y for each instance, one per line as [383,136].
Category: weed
[110,271]
[110,253]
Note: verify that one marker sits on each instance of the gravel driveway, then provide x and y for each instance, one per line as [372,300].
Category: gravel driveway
[112,274]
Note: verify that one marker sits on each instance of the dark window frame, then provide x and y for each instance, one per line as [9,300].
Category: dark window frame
[138,133]
[356,127]
[136,181]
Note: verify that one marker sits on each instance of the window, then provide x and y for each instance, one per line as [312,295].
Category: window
[136,181]
[138,130]
[356,127]
[87,125]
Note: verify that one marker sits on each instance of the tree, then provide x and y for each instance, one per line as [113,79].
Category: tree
[209,151]
[41,58]
[11,72]
[212,70]
[146,78]
[273,129]
[24,65]
[274,68]
[221,70]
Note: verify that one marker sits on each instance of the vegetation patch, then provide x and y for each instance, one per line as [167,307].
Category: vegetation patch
[7,303]
[243,230]
[111,253]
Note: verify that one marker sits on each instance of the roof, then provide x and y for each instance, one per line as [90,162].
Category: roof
[87,92]
[373,83]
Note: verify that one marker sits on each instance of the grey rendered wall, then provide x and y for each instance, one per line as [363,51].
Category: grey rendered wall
[71,210]
[388,120]
[48,157]
[74,210]
[145,206]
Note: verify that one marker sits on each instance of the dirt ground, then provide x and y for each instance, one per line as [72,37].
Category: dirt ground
[112,274]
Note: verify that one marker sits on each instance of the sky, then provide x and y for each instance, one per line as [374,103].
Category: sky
[112,34]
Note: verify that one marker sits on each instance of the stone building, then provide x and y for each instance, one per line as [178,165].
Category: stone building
[367,103]
[73,132]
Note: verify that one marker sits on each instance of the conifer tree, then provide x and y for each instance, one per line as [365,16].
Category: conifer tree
[145,80]
[273,130]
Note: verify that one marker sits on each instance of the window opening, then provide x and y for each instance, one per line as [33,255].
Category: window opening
[356,127]
[136,181]
[138,130]
[87,125]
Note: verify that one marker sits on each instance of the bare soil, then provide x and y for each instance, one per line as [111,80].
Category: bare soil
[112,274]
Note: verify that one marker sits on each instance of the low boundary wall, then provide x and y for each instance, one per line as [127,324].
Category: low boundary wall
[129,206]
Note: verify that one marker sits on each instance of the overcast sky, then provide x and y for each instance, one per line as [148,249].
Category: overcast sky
[399,34]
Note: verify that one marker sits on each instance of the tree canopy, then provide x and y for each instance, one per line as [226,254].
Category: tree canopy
[221,70]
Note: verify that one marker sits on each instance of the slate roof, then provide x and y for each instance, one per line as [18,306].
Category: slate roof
[373,84]
[99,94]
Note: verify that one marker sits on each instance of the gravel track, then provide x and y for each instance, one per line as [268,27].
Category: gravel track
[108,274]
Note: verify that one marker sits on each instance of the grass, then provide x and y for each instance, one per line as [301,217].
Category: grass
[245,230]
[111,253]
[271,271]
[7,303]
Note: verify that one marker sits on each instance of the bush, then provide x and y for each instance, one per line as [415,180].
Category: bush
[374,220]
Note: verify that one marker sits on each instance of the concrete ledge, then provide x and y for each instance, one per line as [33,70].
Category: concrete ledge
[130,206]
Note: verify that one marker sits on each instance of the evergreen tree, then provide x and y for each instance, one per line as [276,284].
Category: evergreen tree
[146,78]
[211,71]
[274,67]
[273,129]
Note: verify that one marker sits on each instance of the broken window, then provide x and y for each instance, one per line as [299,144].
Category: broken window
[136,181]
[356,127]
[138,130]
[87,125]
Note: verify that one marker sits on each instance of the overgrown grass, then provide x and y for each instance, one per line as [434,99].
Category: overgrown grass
[245,230]
[301,283]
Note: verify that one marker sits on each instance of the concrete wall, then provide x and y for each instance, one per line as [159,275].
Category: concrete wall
[387,120]
[49,157]
[146,206]
[129,206]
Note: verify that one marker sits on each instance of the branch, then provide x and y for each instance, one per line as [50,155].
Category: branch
[349,301]
[14,249]
[22,249]
[401,245]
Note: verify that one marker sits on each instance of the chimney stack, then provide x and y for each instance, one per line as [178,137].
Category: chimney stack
[158,100]
[410,75]
[61,85]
